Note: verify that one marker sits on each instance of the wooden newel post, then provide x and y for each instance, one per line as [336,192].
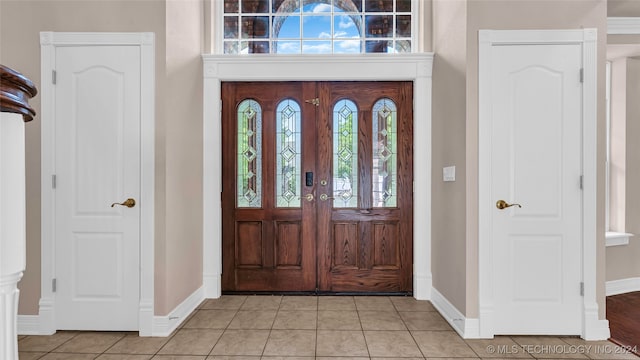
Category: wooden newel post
[15,92]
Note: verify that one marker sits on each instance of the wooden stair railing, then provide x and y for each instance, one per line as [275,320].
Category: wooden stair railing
[15,92]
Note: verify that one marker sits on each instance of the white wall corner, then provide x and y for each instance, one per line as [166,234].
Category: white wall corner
[466,328]
[622,286]
[594,328]
[28,325]
[164,325]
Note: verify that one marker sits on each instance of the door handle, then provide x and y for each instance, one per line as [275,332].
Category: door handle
[501,204]
[325,197]
[308,197]
[128,203]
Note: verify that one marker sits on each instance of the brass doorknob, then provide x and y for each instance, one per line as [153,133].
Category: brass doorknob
[308,197]
[501,204]
[128,203]
[325,197]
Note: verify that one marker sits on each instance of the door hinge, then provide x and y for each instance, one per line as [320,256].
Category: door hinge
[53,77]
[581,182]
[582,289]
[315,101]
[54,181]
[582,75]
[54,285]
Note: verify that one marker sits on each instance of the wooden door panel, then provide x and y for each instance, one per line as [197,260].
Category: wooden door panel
[366,248]
[267,247]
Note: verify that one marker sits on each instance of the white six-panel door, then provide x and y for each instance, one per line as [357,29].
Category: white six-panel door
[97,162]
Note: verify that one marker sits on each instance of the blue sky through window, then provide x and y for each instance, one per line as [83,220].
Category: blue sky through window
[311,27]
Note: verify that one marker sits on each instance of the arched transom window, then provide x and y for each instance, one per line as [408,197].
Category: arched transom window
[317,26]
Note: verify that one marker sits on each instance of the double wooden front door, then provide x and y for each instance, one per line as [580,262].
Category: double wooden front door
[317,186]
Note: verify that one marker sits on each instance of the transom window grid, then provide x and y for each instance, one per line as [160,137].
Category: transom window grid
[317,26]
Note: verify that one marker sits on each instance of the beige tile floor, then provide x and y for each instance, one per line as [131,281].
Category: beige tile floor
[308,327]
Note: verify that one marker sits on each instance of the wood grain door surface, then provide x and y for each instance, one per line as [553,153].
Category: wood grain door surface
[342,228]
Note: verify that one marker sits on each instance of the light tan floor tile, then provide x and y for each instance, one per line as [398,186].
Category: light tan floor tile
[600,349]
[178,357]
[30,355]
[336,303]
[341,343]
[299,303]
[400,358]
[225,302]
[261,302]
[134,344]
[424,320]
[341,358]
[123,357]
[226,357]
[291,343]
[338,320]
[210,319]
[287,358]
[377,303]
[241,342]
[90,342]
[442,344]
[68,356]
[191,342]
[391,344]
[45,343]
[498,347]
[407,303]
[381,320]
[254,319]
[547,347]
[296,320]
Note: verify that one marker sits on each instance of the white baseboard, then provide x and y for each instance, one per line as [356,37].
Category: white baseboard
[28,325]
[165,325]
[615,287]
[466,328]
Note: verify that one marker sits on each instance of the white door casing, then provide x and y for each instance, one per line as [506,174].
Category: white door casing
[415,67]
[534,150]
[97,139]
[97,161]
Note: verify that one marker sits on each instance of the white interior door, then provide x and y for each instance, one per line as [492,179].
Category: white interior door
[97,162]
[536,157]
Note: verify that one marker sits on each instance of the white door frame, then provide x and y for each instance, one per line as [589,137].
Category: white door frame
[146,42]
[362,67]
[592,327]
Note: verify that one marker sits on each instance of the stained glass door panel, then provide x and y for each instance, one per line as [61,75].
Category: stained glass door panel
[365,153]
[268,226]
[317,187]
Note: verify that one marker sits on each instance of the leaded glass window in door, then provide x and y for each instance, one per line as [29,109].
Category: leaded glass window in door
[385,153]
[249,155]
[288,155]
[345,154]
